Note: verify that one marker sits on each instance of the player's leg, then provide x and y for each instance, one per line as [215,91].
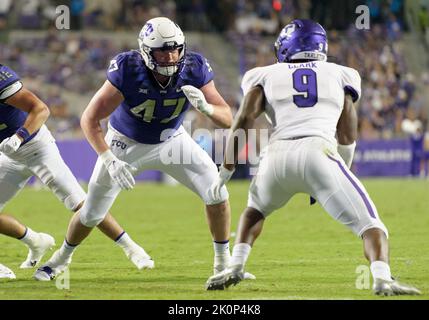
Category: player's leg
[77,232]
[195,169]
[101,195]
[13,177]
[51,169]
[344,197]
[267,193]
[219,221]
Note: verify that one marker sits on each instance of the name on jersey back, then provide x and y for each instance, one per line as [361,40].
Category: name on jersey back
[302,65]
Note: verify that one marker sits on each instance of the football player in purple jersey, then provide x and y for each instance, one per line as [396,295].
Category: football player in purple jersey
[28,149]
[146,95]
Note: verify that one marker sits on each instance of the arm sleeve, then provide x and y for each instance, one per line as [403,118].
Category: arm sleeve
[10,90]
[206,73]
[351,82]
[9,83]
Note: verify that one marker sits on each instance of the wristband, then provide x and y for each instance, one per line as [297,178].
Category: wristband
[23,133]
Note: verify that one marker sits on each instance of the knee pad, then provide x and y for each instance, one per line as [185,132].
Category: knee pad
[73,201]
[90,220]
[97,204]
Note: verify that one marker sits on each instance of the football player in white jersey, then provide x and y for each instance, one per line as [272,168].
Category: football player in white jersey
[28,149]
[310,103]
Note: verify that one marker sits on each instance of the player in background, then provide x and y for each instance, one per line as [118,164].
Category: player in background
[146,95]
[28,149]
[310,103]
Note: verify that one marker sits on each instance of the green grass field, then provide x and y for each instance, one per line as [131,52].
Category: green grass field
[302,253]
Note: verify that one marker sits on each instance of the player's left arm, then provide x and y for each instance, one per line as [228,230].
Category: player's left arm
[251,107]
[222,115]
[208,101]
[38,111]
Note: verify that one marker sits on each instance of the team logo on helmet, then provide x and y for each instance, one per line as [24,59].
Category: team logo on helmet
[287,31]
[147,29]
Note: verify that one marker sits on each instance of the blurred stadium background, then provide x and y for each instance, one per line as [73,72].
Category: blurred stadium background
[66,67]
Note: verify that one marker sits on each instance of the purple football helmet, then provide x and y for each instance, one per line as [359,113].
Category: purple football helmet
[301,40]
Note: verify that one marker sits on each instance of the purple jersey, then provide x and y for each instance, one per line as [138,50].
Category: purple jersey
[11,118]
[148,109]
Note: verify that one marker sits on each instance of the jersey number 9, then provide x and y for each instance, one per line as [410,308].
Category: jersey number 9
[305,81]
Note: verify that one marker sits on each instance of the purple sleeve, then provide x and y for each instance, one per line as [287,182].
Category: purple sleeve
[350,90]
[199,70]
[7,77]
[116,71]
[207,73]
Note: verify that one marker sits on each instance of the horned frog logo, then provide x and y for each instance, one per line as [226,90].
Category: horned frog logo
[147,30]
[288,30]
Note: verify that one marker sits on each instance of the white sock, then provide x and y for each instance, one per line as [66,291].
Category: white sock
[67,249]
[221,248]
[240,253]
[126,243]
[30,237]
[380,270]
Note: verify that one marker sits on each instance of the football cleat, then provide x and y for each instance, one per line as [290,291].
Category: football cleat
[249,276]
[393,288]
[6,273]
[140,258]
[221,263]
[38,250]
[223,280]
[52,268]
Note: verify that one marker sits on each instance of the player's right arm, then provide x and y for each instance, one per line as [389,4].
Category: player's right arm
[104,102]
[347,124]
[251,107]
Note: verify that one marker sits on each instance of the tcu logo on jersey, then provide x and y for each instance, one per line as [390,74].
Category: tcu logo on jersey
[113,66]
[209,68]
[118,144]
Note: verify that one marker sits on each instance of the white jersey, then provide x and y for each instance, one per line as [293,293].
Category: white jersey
[305,99]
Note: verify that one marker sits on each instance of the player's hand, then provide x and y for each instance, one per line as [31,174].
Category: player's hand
[120,171]
[223,177]
[197,99]
[10,145]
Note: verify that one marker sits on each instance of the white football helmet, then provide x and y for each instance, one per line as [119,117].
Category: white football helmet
[161,33]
